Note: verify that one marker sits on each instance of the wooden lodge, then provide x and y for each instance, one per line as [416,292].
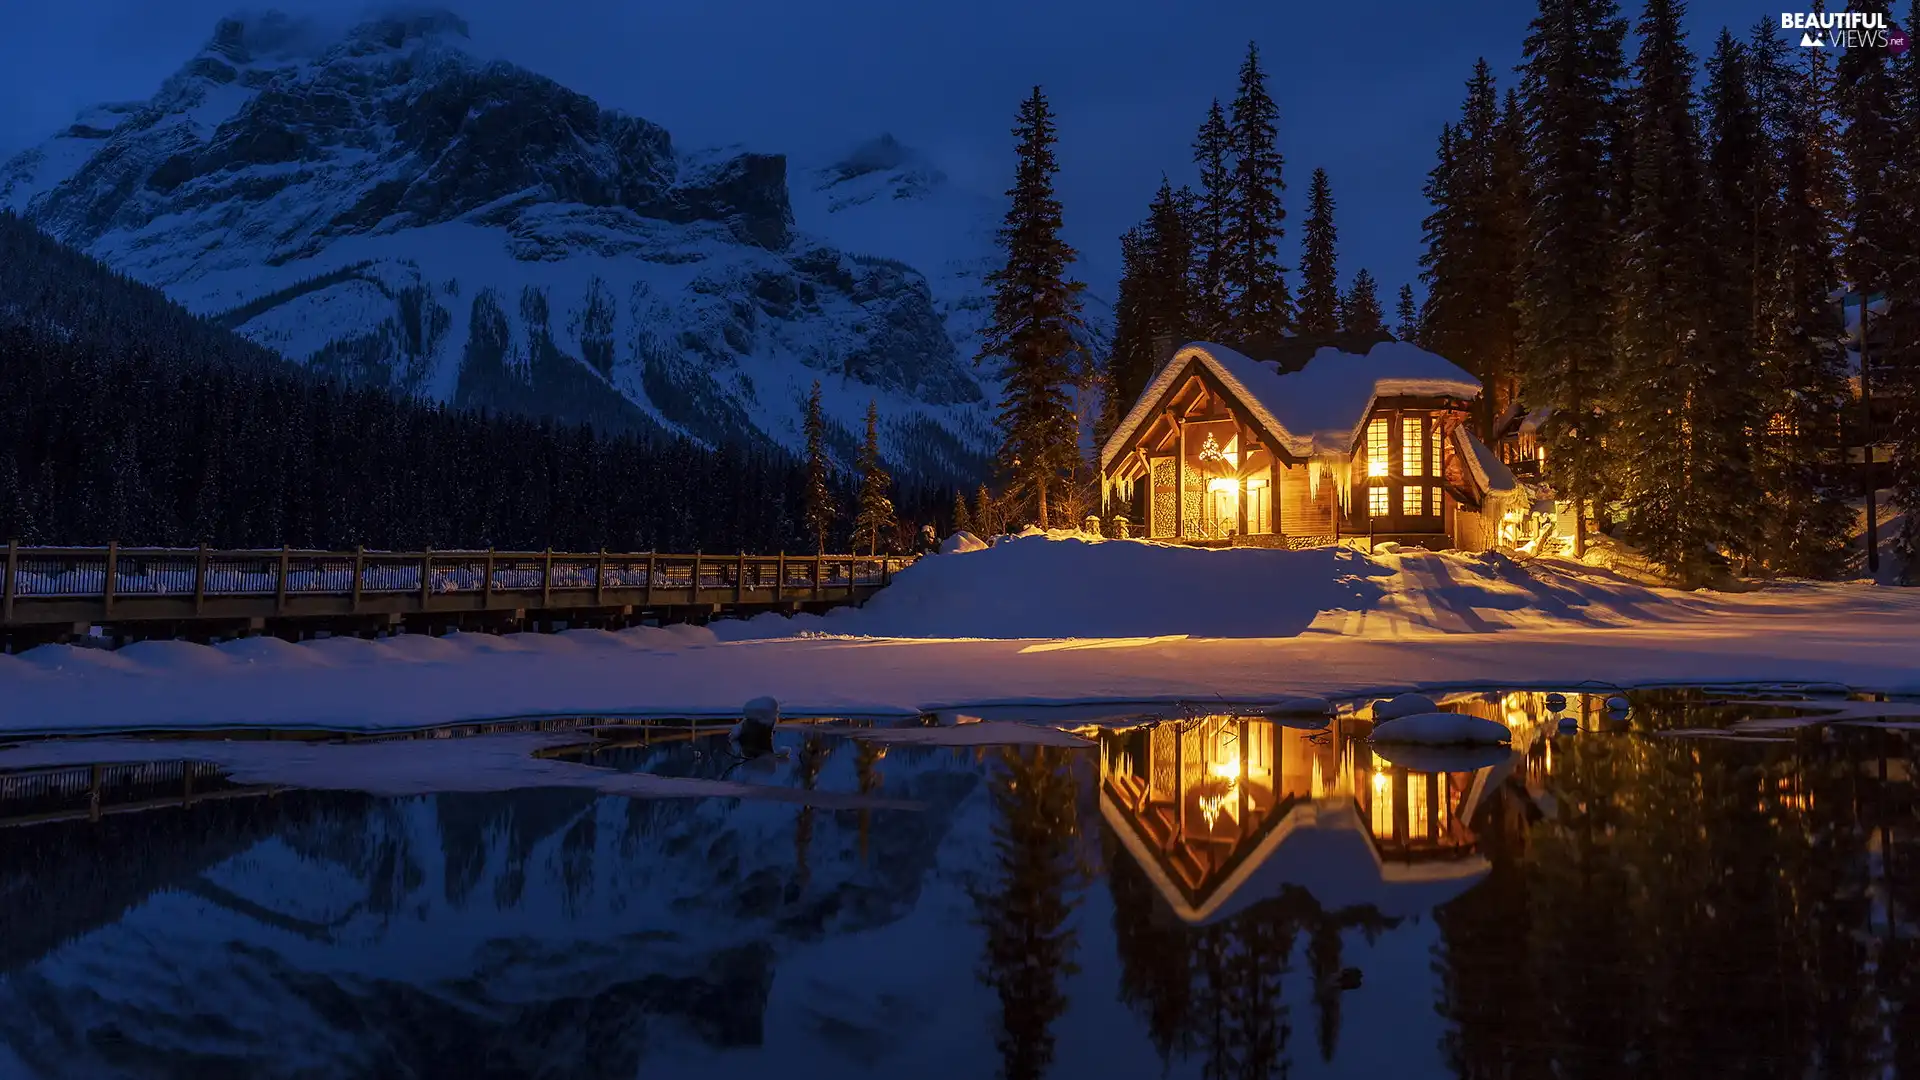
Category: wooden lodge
[1222,449]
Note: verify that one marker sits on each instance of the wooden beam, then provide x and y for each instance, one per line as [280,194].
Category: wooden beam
[1180,485]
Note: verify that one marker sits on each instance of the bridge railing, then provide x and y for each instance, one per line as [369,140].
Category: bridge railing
[112,573]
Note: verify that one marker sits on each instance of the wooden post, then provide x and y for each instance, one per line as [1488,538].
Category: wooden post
[1240,482]
[1179,480]
[652,558]
[359,572]
[280,584]
[819,562]
[694,580]
[546,580]
[600,579]
[426,577]
[486,587]
[740,581]
[779,576]
[200,579]
[7,591]
[113,571]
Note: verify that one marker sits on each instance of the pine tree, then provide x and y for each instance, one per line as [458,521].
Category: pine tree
[1406,316]
[1474,242]
[1360,308]
[1259,307]
[1319,283]
[1130,354]
[1682,409]
[1036,313]
[1903,315]
[819,511]
[1213,154]
[1572,65]
[962,516]
[874,519]
[986,516]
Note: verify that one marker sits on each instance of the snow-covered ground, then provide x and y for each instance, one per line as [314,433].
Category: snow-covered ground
[1033,621]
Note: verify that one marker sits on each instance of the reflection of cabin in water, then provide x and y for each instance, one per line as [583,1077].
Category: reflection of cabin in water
[1221,448]
[1224,811]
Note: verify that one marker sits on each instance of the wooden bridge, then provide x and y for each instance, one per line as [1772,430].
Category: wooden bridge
[54,594]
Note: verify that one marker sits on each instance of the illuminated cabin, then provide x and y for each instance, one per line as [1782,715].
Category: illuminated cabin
[1224,449]
[1224,812]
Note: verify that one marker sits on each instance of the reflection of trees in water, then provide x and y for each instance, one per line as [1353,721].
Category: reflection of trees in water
[1695,907]
[1213,991]
[1032,888]
[813,757]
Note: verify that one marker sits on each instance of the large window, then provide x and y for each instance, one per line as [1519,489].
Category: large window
[1433,449]
[1377,448]
[1377,504]
[1412,461]
[1410,500]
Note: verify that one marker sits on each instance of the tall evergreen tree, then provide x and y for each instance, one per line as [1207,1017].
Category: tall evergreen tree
[1569,77]
[1319,280]
[1259,306]
[1903,314]
[1683,410]
[874,518]
[818,513]
[1406,316]
[1803,520]
[1154,311]
[1474,241]
[1213,154]
[962,516]
[1036,314]
[1360,307]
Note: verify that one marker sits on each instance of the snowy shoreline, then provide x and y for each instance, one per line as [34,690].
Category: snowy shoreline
[1032,624]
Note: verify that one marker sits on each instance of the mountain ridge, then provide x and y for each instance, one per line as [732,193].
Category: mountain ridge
[387,207]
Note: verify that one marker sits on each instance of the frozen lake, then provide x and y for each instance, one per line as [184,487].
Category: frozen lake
[1699,886]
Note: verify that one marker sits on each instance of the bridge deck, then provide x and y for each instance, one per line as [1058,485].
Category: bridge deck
[167,592]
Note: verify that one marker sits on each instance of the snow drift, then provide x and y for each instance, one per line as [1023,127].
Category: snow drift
[1042,586]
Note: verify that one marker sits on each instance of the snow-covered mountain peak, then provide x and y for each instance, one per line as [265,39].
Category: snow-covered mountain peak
[382,203]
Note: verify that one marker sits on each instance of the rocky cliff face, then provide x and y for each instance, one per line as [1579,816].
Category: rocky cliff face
[386,206]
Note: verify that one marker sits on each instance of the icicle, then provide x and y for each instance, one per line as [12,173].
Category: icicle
[1336,466]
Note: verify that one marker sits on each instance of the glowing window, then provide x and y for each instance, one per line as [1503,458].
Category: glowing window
[1433,501]
[1377,448]
[1410,500]
[1377,501]
[1412,461]
[1433,449]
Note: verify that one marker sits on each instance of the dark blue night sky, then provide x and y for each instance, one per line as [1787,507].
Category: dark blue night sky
[1363,86]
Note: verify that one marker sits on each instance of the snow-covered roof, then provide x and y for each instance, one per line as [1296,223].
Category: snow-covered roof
[1318,409]
[1536,420]
[1321,847]
[1489,472]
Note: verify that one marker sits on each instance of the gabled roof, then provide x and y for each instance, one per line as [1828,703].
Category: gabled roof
[1318,409]
[1322,847]
[1489,472]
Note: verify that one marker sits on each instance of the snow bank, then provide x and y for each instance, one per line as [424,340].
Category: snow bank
[962,542]
[1441,729]
[1066,586]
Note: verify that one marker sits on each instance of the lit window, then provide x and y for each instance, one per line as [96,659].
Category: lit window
[1433,502]
[1433,449]
[1377,505]
[1377,448]
[1411,459]
[1410,499]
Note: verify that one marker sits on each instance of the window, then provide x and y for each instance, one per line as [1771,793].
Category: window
[1377,448]
[1412,461]
[1433,502]
[1433,451]
[1377,504]
[1410,499]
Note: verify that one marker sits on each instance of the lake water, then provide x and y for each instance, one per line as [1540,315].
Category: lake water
[1678,892]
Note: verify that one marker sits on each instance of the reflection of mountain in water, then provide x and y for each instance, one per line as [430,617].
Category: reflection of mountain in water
[543,932]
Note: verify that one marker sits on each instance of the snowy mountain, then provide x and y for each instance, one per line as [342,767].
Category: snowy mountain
[541,932]
[386,206]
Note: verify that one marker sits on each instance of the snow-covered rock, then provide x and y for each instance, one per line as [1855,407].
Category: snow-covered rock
[386,206]
[1441,729]
[962,542]
[1404,705]
[1617,703]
